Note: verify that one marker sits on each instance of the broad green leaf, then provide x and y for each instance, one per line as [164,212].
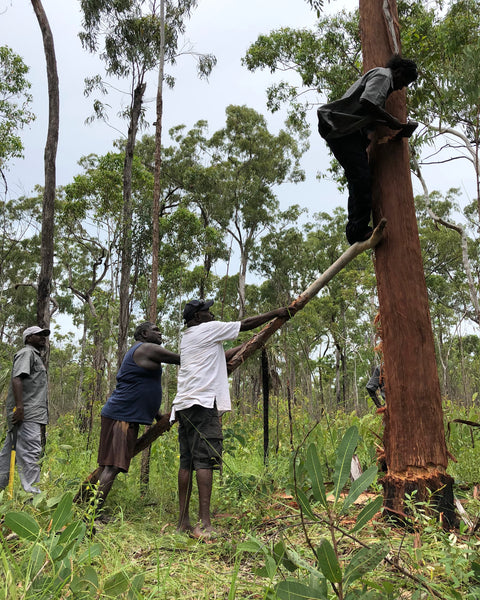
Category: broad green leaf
[315,474]
[295,590]
[359,486]
[344,460]
[73,531]
[250,546]
[303,564]
[280,555]
[136,587]
[86,580]
[63,512]
[37,558]
[368,512]
[62,550]
[328,562]
[23,525]
[305,505]
[364,561]
[476,570]
[89,554]
[116,584]
[269,570]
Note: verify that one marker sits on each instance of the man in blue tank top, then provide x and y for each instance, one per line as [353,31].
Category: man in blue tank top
[136,400]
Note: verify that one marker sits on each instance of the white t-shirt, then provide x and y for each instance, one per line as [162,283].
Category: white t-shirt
[202,377]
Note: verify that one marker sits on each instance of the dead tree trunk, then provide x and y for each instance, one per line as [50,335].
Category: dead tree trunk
[414,436]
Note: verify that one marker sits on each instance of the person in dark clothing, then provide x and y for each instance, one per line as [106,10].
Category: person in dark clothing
[376,387]
[136,400]
[345,125]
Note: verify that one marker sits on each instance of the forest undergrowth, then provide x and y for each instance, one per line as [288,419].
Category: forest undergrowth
[296,527]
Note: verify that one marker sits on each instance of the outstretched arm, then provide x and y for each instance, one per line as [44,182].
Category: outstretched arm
[252,322]
[150,356]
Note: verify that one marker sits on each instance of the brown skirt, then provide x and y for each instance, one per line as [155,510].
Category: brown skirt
[117,443]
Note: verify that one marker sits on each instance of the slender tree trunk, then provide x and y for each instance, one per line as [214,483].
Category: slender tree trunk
[338,376]
[145,464]
[242,279]
[414,436]
[126,250]
[266,405]
[46,268]
[157,173]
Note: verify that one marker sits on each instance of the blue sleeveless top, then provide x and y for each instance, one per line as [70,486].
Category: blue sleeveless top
[138,394]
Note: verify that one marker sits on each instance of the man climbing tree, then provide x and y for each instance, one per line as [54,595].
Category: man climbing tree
[414,436]
[346,125]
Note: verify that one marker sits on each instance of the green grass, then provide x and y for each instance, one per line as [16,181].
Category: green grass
[250,501]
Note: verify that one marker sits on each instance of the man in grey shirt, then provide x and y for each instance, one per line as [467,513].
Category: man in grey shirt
[27,410]
[345,125]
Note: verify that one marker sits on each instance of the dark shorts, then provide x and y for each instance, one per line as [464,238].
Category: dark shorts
[117,443]
[200,438]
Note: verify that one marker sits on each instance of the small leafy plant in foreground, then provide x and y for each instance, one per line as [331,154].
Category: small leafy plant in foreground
[330,574]
[55,561]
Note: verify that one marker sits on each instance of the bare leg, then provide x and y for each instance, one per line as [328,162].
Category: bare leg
[105,482]
[184,493]
[204,483]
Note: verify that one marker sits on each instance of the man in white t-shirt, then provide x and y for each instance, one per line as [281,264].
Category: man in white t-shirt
[202,397]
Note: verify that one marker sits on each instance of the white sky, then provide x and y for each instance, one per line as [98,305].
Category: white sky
[224,28]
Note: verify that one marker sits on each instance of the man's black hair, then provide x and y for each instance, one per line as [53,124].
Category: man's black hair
[407,66]
[141,329]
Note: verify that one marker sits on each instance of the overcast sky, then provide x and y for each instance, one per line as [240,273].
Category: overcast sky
[224,28]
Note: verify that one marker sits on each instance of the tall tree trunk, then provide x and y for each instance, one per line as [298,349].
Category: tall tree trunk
[46,267]
[152,313]
[414,436]
[157,172]
[126,250]
[242,282]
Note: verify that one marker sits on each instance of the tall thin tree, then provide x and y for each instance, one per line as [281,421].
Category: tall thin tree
[157,170]
[46,267]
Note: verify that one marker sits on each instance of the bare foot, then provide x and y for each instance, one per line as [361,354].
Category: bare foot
[203,533]
[185,528]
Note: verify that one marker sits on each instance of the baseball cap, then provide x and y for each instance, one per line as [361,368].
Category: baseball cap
[33,330]
[194,306]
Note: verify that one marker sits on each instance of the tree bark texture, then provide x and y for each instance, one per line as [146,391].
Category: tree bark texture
[50,154]
[414,435]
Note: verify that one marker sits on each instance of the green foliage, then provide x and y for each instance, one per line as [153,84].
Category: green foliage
[15,100]
[56,559]
[263,548]
[340,571]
